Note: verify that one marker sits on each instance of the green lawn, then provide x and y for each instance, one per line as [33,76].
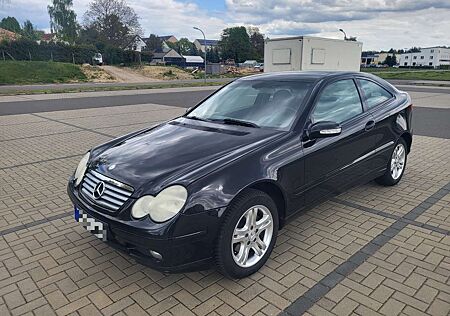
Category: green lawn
[410,74]
[33,72]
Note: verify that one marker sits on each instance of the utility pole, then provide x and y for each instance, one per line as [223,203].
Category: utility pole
[204,39]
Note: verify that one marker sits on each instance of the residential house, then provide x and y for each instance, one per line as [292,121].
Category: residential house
[136,43]
[173,58]
[168,38]
[427,57]
[50,38]
[165,40]
[168,58]
[8,35]
[202,44]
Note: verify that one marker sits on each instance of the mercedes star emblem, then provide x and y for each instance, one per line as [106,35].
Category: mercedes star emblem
[99,190]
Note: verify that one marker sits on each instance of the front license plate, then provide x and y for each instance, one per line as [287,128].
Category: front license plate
[93,225]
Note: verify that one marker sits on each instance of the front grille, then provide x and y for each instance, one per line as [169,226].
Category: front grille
[115,193]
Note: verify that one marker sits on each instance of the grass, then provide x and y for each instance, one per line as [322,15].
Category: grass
[112,88]
[410,74]
[33,72]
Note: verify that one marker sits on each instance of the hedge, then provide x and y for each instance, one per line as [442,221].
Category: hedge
[26,49]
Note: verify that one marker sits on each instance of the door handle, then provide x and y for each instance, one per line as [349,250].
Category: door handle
[370,125]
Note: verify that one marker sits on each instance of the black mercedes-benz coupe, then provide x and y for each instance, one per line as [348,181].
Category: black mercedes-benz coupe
[215,185]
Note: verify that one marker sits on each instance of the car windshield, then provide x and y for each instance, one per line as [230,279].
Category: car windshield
[255,103]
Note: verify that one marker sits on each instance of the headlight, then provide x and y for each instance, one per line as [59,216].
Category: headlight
[81,169]
[162,207]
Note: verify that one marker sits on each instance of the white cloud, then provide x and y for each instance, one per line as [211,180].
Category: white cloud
[379,24]
[177,18]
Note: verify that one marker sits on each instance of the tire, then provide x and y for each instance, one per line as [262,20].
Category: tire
[238,222]
[392,177]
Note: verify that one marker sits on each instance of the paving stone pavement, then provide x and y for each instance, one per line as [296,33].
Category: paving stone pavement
[369,251]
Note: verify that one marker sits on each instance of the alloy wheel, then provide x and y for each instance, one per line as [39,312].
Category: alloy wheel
[398,161]
[252,236]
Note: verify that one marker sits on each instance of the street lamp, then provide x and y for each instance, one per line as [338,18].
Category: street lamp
[345,35]
[204,39]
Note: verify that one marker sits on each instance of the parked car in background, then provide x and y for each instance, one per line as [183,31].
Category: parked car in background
[97,59]
[248,63]
[259,66]
[215,185]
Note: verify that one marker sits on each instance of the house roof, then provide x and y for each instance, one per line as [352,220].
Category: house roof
[159,55]
[193,59]
[208,42]
[48,36]
[134,39]
[165,37]
[173,54]
[6,34]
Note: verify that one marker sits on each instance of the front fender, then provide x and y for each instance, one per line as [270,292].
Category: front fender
[276,165]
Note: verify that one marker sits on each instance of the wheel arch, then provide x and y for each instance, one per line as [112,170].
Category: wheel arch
[407,137]
[272,189]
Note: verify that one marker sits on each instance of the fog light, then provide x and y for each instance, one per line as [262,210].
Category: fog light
[156,255]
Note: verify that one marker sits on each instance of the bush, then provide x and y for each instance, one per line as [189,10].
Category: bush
[169,74]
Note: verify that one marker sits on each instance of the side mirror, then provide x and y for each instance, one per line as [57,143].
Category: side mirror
[324,129]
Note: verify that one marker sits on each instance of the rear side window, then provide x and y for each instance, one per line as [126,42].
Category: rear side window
[373,93]
[338,102]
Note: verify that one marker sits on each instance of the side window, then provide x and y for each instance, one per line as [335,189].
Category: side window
[338,102]
[373,93]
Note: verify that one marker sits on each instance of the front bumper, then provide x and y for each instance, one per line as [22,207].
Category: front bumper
[186,243]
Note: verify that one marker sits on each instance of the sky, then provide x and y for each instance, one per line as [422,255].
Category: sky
[378,24]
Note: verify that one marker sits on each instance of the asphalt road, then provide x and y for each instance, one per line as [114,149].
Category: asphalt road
[180,99]
[427,121]
[59,86]
[63,86]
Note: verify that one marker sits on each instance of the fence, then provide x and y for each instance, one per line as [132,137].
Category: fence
[60,52]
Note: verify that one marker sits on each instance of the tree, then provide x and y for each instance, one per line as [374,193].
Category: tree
[391,60]
[185,46]
[114,20]
[154,43]
[212,55]
[63,20]
[257,42]
[89,35]
[11,24]
[414,50]
[29,32]
[115,32]
[235,44]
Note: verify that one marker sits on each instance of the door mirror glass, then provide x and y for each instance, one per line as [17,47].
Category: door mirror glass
[324,129]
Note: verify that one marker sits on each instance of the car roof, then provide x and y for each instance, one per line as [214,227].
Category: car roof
[300,75]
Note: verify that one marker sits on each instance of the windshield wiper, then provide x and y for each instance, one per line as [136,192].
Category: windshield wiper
[228,121]
[197,118]
[231,121]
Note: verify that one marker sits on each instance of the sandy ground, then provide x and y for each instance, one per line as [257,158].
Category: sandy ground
[96,74]
[123,74]
[164,73]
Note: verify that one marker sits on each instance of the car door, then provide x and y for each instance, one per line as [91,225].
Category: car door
[378,102]
[333,163]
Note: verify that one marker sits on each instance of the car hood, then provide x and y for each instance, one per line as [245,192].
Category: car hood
[179,151]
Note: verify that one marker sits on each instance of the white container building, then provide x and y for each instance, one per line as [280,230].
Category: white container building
[311,53]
